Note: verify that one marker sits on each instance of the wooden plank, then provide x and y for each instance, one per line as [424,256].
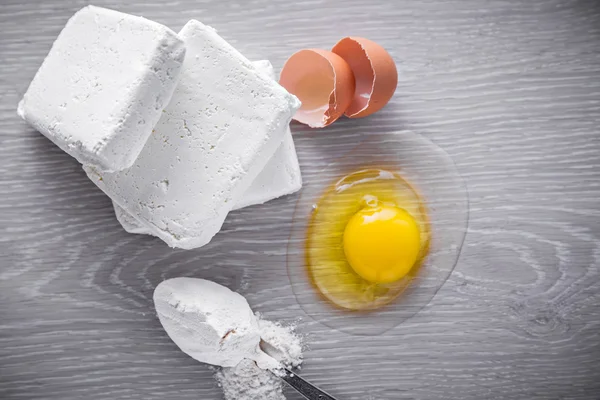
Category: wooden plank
[509,88]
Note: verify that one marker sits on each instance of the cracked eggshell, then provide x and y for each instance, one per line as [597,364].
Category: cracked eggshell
[374,71]
[322,81]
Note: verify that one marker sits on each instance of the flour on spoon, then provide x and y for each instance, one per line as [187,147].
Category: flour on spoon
[210,323]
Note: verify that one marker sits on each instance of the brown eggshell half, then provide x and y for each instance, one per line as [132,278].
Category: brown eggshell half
[374,71]
[322,81]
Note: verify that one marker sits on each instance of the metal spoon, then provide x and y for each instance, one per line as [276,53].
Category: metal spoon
[305,388]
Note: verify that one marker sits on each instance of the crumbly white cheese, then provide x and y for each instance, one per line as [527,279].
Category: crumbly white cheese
[223,124]
[281,175]
[103,86]
[129,223]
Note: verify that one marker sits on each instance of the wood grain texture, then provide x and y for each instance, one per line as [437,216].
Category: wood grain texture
[509,88]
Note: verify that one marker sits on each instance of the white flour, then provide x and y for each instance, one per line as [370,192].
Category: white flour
[209,322]
[247,381]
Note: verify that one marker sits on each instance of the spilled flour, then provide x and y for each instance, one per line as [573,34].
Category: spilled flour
[247,381]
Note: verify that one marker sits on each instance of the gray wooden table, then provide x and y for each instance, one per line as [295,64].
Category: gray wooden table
[509,88]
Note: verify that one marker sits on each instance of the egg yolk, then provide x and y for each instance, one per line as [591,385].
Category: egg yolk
[381,243]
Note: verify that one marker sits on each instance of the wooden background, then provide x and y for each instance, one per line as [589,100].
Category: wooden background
[509,88]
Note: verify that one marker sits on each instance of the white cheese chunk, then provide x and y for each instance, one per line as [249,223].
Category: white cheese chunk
[103,86]
[281,175]
[223,124]
[129,223]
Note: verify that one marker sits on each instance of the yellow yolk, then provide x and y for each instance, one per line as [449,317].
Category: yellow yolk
[382,243]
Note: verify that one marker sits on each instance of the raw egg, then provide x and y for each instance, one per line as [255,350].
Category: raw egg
[374,71]
[357,223]
[322,81]
[368,232]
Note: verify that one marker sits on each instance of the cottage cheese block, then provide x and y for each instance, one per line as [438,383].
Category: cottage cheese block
[282,174]
[280,177]
[129,223]
[103,86]
[223,124]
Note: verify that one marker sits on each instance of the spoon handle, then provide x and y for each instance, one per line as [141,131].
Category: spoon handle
[304,387]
